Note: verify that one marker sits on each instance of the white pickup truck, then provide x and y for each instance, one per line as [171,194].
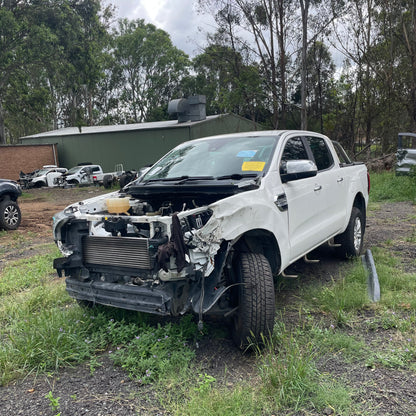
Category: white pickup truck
[82,174]
[107,179]
[211,224]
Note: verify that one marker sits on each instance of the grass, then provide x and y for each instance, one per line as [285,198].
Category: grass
[43,330]
[28,272]
[387,186]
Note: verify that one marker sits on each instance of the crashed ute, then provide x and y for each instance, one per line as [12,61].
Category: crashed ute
[210,225]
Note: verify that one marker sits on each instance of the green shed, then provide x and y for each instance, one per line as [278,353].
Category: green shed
[133,145]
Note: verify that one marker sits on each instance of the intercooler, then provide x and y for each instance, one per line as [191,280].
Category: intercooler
[123,252]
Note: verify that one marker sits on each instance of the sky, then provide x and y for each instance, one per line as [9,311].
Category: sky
[179,18]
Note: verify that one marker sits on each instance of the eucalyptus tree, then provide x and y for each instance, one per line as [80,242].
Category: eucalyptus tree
[319,83]
[379,38]
[152,68]
[266,28]
[229,84]
[78,65]
[25,43]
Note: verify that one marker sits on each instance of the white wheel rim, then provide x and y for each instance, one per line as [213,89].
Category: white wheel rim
[11,215]
[357,234]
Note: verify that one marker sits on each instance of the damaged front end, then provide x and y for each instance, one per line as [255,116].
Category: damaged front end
[120,251]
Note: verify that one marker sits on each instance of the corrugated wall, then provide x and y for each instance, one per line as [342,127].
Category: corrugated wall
[135,148]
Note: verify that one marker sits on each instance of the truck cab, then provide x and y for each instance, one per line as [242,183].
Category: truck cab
[208,227]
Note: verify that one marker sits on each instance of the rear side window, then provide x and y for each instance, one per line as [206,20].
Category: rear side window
[322,155]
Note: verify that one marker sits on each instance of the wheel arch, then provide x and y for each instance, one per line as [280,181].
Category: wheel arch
[8,197]
[359,202]
[262,242]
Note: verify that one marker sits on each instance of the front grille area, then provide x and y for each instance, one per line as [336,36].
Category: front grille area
[120,252]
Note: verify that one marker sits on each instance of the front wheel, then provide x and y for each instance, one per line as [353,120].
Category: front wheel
[352,239]
[10,216]
[254,296]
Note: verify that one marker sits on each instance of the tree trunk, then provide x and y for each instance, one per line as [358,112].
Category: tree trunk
[304,5]
[2,127]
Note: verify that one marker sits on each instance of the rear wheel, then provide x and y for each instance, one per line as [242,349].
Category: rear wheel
[254,297]
[10,216]
[351,240]
[108,181]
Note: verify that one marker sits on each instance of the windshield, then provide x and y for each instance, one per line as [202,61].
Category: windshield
[41,172]
[74,169]
[213,158]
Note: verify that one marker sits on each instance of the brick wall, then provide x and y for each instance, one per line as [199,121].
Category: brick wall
[26,158]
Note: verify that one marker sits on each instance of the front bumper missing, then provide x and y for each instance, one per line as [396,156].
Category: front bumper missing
[136,298]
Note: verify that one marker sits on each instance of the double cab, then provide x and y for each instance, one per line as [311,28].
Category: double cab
[210,225]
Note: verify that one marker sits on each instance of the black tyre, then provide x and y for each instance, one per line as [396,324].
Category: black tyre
[126,178]
[352,239]
[10,215]
[107,181]
[255,299]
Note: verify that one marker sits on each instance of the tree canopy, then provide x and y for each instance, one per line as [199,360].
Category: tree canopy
[344,68]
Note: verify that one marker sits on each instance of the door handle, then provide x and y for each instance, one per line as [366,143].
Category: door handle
[317,188]
[340,179]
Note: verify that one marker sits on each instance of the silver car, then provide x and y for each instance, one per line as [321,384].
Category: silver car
[406,153]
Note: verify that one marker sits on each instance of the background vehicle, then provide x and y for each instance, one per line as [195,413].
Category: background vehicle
[108,179]
[80,175]
[406,153]
[10,216]
[208,226]
[46,176]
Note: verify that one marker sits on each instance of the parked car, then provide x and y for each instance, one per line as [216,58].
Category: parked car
[10,215]
[406,153]
[79,175]
[108,179]
[209,225]
[46,176]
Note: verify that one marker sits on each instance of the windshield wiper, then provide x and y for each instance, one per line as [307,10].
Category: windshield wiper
[194,178]
[237,176]
[180,179]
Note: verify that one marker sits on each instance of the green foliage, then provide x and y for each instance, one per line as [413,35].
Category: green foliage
[26,273]
[156,353]
[151,69]
[387,186]
[53,401]
[346,294]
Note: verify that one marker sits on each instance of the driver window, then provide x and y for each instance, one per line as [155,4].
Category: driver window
[294,150]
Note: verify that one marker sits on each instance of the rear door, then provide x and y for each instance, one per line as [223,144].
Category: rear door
[334,183]
[315,205]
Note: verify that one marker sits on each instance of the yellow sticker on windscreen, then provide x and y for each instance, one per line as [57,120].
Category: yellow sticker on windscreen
[253,166]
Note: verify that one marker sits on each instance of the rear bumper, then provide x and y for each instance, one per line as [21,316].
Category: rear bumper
[136,298]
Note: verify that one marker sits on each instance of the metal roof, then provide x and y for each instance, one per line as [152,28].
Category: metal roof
[71,131]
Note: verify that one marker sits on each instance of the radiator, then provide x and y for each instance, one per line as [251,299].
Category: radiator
[128,252]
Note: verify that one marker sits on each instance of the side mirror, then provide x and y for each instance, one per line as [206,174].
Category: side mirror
[298,169]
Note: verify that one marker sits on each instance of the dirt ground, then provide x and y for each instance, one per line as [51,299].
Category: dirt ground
[109,391]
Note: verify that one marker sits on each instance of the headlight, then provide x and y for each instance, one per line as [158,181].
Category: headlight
[63,249]
[70,210]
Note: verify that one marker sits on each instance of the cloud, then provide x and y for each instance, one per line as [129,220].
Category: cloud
[179,18]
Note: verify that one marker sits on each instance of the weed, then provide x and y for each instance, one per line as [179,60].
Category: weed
[156,353]
[205,383]
[53,401]
[94,364]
